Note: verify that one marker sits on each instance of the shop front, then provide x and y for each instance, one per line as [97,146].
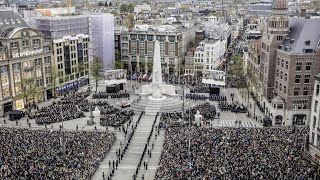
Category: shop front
[19,104]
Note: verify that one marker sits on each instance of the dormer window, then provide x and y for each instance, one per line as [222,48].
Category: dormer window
[307,43]
[36,42]
[14,45]
[25,43]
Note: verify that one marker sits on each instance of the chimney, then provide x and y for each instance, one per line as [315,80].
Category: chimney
[291,41]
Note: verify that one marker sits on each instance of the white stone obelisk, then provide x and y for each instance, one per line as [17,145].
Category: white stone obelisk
[156,72]
[156,88]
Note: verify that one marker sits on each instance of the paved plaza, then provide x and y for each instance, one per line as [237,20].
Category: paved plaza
[128,164]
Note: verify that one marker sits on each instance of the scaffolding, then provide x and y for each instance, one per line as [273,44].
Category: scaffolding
[58,27]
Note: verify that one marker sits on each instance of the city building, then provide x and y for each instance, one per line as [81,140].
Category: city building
[251,52]
[71,48]
[103,39]
[209,54]
[315,116]
[260,9]
[140,8]
[25,63]
[200,35]
[31,15]
[216,28]
[289,60]
[137,47]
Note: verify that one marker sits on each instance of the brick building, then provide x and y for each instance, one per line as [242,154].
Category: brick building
[289,59]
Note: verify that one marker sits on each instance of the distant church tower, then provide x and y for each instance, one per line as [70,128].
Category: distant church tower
[278,22]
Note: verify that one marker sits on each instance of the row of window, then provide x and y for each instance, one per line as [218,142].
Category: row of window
[25,43]
[307,67]
[160,38]
[282,75]
[280,87]
[296,91]
[286,64]
[297,79]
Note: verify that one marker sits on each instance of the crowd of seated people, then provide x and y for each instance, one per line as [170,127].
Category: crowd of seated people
[39,154]
[235,153]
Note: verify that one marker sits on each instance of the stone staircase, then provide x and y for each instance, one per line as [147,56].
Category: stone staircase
[152,107]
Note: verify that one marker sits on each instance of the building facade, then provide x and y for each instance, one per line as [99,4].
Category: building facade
[315,115]
[288,62]
[25,65]
[137,49]
[209,54]
[71,47]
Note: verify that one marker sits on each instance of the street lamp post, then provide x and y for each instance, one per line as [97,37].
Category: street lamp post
[189,139]
[63,141]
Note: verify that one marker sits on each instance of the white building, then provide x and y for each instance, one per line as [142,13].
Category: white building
[142,8]
[315,115]
[209,54]
[102,33]
[216,28]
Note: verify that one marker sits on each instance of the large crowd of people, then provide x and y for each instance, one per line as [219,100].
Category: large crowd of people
[196,97]
[171,118]
[216,97]
[56,113]
[201,89]
[235,153]
[207,110]
[116,119]
[42,154]
[62,110]
[105,95]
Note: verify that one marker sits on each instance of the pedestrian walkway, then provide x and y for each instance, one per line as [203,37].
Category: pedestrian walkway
[155,146]
[231,123]
[129,163]
[112,155]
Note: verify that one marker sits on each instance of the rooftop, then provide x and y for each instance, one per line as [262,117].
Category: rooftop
[303,37]
[10,20]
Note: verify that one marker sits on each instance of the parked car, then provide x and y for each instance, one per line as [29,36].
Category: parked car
[125,104]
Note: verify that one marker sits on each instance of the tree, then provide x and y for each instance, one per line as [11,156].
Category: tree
[97,70]
[123,8]
[118,64]
[237,71]
[129,21]
[106,4]
[250,81]
[316,5]
[243,78]
[130,8]
[28,90]
[100,3]
[80,69]
[114,12]
[54,79]
[110,4]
